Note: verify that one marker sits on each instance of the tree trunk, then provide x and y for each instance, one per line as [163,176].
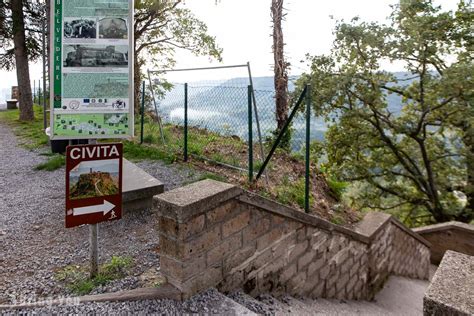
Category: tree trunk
[468,140]
[21,61]
[136,85]
[280,65]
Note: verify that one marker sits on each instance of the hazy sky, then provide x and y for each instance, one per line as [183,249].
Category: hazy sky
[243,28]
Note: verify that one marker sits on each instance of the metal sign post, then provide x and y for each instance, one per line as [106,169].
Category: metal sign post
[94,250]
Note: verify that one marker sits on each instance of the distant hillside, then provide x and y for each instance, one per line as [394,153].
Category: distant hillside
[223,107]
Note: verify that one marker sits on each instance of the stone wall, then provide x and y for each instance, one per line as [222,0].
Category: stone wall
[216,235]
[448,236]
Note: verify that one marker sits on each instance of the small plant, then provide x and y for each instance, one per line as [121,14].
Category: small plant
[337,187]
[337,219]
[53,163]
[77,277]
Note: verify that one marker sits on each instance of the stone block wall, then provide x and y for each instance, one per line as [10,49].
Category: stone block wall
[216,235]
[394,251]
[448,236]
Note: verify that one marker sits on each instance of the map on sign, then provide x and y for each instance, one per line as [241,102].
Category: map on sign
[92,73]
[92,124]
[93,183]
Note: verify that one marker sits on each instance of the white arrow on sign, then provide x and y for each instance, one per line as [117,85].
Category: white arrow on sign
[105,208]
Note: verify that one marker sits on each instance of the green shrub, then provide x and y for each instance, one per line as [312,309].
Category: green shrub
[53,163]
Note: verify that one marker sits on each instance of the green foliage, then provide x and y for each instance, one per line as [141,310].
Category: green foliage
[77,278]
[417,160]
[337,187]
[53,163]
[285,141]
[162,27]
[34,12]
[293,191]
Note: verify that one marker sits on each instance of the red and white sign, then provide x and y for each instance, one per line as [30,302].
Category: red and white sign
[93,183]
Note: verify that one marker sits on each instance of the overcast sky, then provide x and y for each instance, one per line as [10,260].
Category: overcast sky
[243,28]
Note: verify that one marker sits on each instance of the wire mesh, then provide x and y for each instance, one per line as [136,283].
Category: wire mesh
[218,132]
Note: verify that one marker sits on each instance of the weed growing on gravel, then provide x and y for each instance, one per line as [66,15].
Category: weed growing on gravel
[53,163]
[77,278]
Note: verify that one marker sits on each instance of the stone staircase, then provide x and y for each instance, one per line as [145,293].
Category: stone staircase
[399,296]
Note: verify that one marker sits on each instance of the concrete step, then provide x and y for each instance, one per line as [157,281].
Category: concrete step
[138,187]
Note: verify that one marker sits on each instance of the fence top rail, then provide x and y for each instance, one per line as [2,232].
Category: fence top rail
[198,68]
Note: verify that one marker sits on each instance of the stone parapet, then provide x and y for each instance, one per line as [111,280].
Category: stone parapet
[448,236]
[214,234]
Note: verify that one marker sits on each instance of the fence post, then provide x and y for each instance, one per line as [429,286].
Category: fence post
[250,142]
[308,143]
[185,122]
[39,92]
[142,112]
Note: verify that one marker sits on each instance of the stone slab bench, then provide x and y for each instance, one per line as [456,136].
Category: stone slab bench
[138,188]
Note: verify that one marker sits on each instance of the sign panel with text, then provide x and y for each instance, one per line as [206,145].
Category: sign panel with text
[92,73]
[93,183]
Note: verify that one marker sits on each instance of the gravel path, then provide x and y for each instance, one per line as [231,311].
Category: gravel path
[34,242]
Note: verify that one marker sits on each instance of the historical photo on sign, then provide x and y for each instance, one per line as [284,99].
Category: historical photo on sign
[80,28]
[95,56]
[94,178]
[113,28]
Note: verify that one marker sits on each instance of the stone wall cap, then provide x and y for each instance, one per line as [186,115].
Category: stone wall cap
[309,219]
[445,226]
[185,202]
[453,283]
[371,223]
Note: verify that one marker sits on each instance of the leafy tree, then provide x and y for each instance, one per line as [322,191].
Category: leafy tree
[417,159]
[161,27]
[19,33]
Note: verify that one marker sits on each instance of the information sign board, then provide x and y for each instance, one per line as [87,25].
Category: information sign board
[93,183]
[92,69]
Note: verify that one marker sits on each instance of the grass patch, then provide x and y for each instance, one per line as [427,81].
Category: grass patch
[290,192]
[31,134]
[212,176]
[135,151]
[53,163]
[77,277]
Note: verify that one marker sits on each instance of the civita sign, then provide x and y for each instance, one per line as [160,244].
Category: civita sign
[93,183]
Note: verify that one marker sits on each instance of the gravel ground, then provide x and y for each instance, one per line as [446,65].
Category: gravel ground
[206,303]
[34,242]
